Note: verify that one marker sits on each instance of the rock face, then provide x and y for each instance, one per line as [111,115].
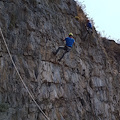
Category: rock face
[85,85]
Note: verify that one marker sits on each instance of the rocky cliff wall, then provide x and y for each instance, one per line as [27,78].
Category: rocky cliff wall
[83,86]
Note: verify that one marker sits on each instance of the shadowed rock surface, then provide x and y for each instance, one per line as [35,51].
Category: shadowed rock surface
[85,85]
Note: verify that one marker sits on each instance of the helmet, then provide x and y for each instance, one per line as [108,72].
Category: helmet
[87,20]
[70,34]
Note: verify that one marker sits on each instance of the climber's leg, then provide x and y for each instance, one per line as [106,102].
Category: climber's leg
[89,30]
[61,47]
[62,56]
[67,49]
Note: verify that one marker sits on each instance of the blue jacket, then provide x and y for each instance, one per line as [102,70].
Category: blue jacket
[69,41]
[89,25]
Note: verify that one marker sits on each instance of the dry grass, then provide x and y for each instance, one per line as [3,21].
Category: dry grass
[81,14]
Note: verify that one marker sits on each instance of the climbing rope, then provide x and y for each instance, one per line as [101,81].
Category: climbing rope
[21,77]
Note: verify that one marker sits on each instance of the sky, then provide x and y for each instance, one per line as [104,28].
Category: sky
[106,16]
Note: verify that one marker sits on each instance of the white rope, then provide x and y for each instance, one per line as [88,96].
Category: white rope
[21,77]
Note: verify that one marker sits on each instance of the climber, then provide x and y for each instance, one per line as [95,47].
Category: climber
[89,27]
[69,43]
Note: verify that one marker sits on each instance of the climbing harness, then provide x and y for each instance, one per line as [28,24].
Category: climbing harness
[47,118]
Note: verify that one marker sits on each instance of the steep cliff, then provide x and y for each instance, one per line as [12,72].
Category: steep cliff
[83,86]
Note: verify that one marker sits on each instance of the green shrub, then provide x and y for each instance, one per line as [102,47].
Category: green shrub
[77,18]
[12,21]
[3,107]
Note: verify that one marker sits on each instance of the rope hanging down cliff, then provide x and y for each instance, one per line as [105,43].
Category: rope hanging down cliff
[21,77]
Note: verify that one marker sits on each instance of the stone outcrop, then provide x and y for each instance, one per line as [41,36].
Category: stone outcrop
[83,86]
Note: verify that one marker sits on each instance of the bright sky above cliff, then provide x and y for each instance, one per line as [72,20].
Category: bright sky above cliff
[106,16]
